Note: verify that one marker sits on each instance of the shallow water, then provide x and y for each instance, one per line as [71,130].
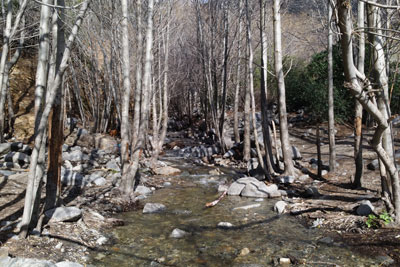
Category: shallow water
[145,241]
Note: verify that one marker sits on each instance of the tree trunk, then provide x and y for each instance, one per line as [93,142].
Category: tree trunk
[284,133]
[358,153]
[331,127]
[237,90]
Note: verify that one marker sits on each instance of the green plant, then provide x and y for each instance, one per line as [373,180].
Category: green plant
[376,222]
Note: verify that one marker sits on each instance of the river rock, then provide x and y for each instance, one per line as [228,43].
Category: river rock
[365,208]
[247,207]
[143,190]
[224,225]
[153,208]
[178,233]
[167,170]
[373,165]
[64,214]
[68,264]
[21,262]
[17,157]
[235,189]
[280,206]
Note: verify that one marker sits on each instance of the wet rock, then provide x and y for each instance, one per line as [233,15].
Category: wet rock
[365,208]
[113,165]
[167,170]
[385,260]
[153,208]
[235,189]
[21,262]
[326,240]
[224,225]
[64,214]
[17,157]
[280,206]
[68,264]
[373,165]
[143,190]
[178,233]
[247,207]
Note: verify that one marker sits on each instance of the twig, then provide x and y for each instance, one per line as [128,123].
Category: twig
[215,202]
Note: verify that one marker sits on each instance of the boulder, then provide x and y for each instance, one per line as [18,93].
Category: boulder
[365,208]
[255,188]
[280,206]
[17,157]
[64,214]
[235,189]
[153,208]
[167,170]
[178,233]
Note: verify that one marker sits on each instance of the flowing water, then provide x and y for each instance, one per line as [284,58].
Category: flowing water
[258,237]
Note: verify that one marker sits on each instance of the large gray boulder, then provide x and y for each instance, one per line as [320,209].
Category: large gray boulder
[235,189]
[251,187]
[64,214]
[153,208]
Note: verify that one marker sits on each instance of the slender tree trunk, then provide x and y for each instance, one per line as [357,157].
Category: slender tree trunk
[237,90]
[331,130]
[127,89]
[56,123]
[284,133]
[358,153]
[246,114]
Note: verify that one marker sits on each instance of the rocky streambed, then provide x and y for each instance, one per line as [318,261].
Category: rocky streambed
[176,229]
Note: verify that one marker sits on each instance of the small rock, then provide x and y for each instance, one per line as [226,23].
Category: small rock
[285,179]
[113,165]
[385,260]
[259,200]
[68,264]
[284,261]
[59,245]
[280,206]
[324,172]
[224,225]
[244,252]
[365,208]
[100,181]
[312,191]
[167,184]
[167,170]
[247,207]
[143,190]
[153,208]
[304,177]
[101,241]
[373,165]
[326,240]
[177,233]
[64,214]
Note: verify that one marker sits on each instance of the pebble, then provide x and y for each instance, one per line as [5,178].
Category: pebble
[225,225]
[244,252]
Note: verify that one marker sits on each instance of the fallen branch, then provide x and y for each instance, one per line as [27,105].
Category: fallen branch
[215,202]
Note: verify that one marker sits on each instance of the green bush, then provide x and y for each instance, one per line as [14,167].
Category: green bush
[307,88]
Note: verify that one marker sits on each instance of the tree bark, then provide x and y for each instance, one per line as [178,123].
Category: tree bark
[331,120]
[284,133]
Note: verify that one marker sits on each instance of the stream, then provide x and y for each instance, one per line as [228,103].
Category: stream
[259,237]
